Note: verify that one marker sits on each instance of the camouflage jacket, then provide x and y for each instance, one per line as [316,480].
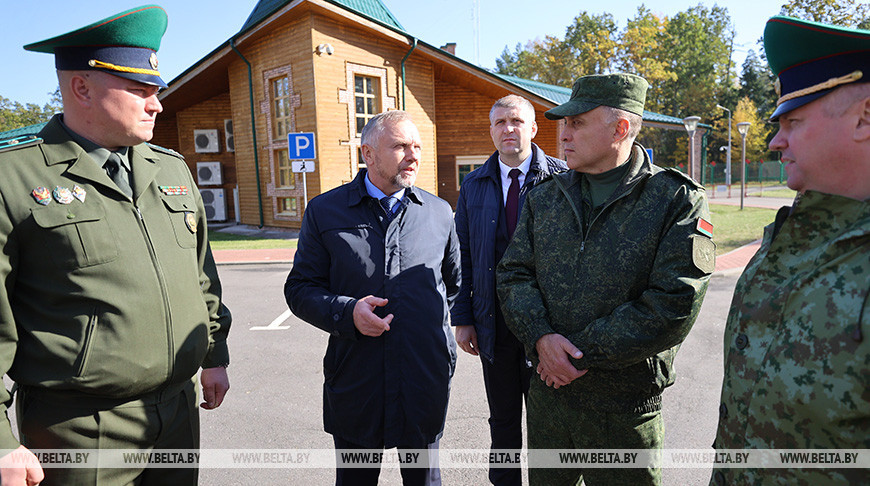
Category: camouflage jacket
[623,282]
[797,364]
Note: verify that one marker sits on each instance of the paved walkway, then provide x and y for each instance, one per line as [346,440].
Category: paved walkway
[238,257]
[737,259]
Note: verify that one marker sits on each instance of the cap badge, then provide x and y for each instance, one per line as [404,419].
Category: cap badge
[41,195]
[153,60]
[62,195]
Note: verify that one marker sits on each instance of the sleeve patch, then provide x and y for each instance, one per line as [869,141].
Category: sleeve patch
[704,254]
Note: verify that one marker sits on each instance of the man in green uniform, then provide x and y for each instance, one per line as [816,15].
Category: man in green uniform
[797,359]
[110,301]
[602,281]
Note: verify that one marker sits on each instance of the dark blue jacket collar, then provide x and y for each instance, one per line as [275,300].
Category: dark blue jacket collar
[538,165]
[357,192]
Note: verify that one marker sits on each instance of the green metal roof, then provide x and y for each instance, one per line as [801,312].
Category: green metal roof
[373,9]
[559,95]
[20,132]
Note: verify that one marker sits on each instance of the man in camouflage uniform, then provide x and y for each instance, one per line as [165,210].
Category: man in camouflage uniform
[796,361]
[602,281]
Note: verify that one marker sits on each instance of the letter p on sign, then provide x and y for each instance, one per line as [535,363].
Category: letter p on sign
[300,146]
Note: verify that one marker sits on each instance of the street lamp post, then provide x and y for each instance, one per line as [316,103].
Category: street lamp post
[691,124]
[743,129]
[728,152]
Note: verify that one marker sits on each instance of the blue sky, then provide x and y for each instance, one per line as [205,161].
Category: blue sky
[196,27]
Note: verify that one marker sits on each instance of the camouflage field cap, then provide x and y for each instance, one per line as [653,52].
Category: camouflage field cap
[624,91]
[124,44]
[812,59]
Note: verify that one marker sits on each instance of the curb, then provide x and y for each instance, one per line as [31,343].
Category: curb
[255,262]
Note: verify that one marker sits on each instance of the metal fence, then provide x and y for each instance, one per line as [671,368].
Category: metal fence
[756,171]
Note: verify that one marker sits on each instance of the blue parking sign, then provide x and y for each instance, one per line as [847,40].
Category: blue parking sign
[300,146]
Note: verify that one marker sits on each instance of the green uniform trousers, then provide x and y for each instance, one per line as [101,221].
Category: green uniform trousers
[59,420]
[555,423]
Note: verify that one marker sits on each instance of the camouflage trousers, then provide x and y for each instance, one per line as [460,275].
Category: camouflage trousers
[553,423]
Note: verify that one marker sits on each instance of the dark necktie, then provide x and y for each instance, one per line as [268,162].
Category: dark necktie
[389,205]
[118,174]
[511,207]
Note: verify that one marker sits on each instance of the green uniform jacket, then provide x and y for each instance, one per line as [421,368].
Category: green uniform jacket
[106,297]
[797,342]
[623,284]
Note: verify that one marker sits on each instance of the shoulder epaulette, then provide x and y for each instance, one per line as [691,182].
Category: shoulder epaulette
[19,142]
[683,176]
[164,150]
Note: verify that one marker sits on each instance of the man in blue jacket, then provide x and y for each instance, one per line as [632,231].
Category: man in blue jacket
[377,267]
[486,215]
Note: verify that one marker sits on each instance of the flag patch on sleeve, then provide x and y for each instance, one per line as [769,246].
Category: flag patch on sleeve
[705,227]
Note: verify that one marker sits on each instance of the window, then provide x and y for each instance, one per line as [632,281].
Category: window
[366,100]
[283,167]
[365,94]
[287,206]
[282,112]
[464,166]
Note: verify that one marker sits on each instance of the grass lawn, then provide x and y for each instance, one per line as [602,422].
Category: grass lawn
[227,241]
[733,228]
[784,193]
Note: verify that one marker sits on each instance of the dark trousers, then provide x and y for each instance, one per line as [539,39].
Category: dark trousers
[507,387]
[61,420]
[412,475]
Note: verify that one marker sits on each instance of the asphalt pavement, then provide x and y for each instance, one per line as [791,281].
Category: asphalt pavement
[276,374]
[275,400]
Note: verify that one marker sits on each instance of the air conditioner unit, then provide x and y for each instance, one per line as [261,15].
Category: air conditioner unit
[228,133]
[206,141]
[215,204]
[208,174]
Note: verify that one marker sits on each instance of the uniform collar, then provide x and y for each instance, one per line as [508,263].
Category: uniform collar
[98,153]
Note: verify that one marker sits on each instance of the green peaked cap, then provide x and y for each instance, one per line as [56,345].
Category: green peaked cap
[624,91]
[124,45]
[138,27]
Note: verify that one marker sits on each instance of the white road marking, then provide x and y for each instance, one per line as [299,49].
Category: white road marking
[276,324]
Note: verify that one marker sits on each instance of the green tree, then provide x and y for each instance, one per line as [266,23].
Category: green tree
[756,137]
[589,47]
[845,13]
[640,51]
[15,115]
[757,84]
[593,42]
[697,50]
[547,61]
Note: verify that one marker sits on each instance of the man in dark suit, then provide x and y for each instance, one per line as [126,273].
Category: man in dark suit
[377,267]
[486,215]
